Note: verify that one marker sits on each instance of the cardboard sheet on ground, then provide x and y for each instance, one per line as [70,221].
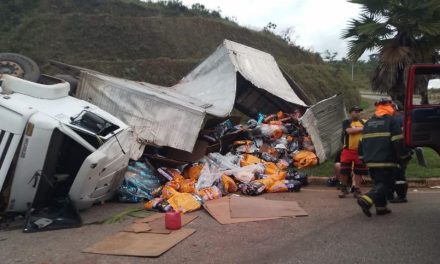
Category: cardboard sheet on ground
[138,228]
[262,208]
[219,209]
[139,244]
[156,223]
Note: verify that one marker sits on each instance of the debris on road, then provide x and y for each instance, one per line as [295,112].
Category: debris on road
[131,212]
[259,207]
[264,159]
[139,244]
[146,237]
[156,224]
[236,209]
[220,211]
[139,181]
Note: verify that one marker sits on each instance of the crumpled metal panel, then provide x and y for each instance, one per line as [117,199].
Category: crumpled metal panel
[215,82]
[261,69]
[157,116]
[323,122]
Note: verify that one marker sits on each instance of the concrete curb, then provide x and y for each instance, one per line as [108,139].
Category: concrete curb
[412,182]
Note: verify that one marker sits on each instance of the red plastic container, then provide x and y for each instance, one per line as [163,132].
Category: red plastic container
[173,220]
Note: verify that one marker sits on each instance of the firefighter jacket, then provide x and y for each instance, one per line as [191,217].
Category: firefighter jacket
[382,143]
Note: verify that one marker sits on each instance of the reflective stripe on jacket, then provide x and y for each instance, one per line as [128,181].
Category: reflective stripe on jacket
[382,143]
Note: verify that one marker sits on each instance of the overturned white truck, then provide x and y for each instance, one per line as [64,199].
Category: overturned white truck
[53,145]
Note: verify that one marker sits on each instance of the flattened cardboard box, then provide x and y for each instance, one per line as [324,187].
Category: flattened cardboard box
[139,244]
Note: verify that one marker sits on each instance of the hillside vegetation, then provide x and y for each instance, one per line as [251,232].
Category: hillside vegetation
[152,42]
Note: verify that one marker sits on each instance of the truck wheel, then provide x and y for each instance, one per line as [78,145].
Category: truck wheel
[19,66]
[71,80]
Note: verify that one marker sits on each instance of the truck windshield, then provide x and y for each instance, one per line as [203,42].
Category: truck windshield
[93,123]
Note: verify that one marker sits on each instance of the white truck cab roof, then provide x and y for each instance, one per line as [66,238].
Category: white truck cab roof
[35,90]
[52,100]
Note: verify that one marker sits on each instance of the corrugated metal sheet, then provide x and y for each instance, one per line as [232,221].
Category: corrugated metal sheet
[158,116]
[323,122]
[214,80]
[261,69]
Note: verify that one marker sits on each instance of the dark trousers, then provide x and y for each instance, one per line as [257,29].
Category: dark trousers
[400,185]
[382,181]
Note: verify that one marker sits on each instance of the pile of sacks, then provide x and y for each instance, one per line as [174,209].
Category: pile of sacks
[216,175]
[266,161]
[278,138]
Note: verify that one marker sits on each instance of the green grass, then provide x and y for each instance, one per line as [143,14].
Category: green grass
[365,104]
[433,169]
[368,106]
[320,81]
[322,170]
[413,170]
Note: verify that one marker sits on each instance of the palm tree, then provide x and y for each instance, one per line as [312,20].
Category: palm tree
[403,31]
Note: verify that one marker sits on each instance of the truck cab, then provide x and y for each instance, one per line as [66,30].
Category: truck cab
[422,118]
[53,145]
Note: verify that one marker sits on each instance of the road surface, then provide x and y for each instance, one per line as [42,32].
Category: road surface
[334,232]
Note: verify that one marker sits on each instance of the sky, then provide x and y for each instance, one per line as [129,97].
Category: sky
[318,24]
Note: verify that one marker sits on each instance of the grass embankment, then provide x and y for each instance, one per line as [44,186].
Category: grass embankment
[413,171]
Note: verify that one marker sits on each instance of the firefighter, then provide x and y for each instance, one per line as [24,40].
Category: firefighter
[351,165]
[382,149]
[400,185]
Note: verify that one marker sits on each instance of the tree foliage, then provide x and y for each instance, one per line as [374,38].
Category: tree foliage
[270,27]
[329,56]
[403,31]
[289,35]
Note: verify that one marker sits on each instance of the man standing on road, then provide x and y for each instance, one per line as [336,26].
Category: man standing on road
[350,162]
[382,149]
[400,185]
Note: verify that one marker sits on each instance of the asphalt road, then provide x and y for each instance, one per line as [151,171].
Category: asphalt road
[334,232]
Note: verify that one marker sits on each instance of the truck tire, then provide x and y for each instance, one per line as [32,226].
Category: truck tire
[71,80]
[19,66]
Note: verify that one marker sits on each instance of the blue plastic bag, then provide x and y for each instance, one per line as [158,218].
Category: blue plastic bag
[140,181]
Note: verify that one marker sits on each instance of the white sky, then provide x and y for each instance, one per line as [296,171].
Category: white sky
[318,23]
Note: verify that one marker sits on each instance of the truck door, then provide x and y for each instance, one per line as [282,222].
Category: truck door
[422,119]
